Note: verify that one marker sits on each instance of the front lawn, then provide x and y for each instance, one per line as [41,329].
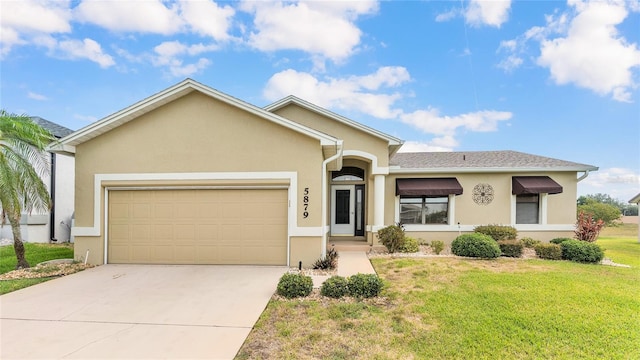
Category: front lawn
[447,307]
[35,254]
[620,244]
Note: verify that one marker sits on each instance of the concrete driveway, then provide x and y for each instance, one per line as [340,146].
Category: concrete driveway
[137,312]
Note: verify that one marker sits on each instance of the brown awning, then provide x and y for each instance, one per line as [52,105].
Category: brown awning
[428,187]
[534,185]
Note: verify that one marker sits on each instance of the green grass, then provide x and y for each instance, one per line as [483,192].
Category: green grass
[620,244]
[443,308]
[35,254]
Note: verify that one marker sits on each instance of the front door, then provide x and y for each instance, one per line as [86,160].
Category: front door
[342,210]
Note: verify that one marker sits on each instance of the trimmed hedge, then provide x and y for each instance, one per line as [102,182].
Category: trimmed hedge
[511,248]
[548,251]
[294,285]
[475,245]
[335,287]
[392,237]
[410,245]
[581,251]
[364,285]
[559,240]
[529,242]
[498,232]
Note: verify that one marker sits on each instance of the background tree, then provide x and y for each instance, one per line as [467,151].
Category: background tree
[22,164]
[625,208]
[600,211]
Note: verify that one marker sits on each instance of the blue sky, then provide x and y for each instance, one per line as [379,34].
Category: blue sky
[552,78]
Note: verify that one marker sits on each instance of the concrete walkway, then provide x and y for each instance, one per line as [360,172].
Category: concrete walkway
[349,263]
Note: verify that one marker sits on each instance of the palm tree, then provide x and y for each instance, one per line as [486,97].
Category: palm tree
[22,163]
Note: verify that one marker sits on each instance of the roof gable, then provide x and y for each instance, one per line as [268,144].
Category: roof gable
[393,142]
[69,142]
[481,160]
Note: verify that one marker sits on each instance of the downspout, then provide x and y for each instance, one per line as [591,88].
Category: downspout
[52,211]
[584,176]
[324,195]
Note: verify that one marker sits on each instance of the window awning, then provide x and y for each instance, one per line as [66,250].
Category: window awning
[428,187]
[534,185]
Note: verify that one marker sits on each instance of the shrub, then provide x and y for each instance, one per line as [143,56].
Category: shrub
[587,228]
[410,245]
[392,237]
[294,285]
[529,242]
[364,285]
[511,248]
[548,251]
[581,251]
[607,213]
[437,246]
[497,232]
[335,287]
[475,245]
[330,261]
[559,240]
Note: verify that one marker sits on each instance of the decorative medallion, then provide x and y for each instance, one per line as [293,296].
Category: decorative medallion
[483,194]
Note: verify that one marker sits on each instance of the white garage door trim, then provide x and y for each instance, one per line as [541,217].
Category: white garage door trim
[142,188]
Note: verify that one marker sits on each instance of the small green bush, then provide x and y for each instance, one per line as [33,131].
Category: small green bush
[335,287]
[475,245]
[410,245]
[392,237]
[364,285]
[581,251]
[294,285]
[330,261]
[529,242]
[498,232]
[559,240]
[511,248]
[437,246]
[548,251]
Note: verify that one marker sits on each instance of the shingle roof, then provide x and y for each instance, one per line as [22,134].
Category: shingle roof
[483,160]
[58,131]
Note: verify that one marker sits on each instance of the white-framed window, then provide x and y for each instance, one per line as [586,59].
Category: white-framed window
[528,209]
[424,210]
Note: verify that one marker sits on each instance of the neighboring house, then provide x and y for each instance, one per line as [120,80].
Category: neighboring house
[54,225]
[636,200]
[194,176]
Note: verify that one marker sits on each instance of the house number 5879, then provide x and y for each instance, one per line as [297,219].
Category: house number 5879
[305,203]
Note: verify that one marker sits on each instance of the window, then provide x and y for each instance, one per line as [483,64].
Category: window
[424,210]
[348,173]
[528,209]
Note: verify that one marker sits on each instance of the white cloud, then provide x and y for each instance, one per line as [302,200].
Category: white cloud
[149,16]
[87,118]
[36,96]
[593,55]
[22,20]
[449,15]
[487,12]
[439,144]
[323,29]
[168,54]
[206,18]
[431,122]
[85,49]
[582,46]
[619,183]
[354,93]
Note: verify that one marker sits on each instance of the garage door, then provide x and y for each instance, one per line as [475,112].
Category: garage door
[239,226]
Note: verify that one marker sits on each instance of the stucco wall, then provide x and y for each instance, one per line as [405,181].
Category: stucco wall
[197,134]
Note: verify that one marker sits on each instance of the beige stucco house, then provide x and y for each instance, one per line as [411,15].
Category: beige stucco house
[194,176]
